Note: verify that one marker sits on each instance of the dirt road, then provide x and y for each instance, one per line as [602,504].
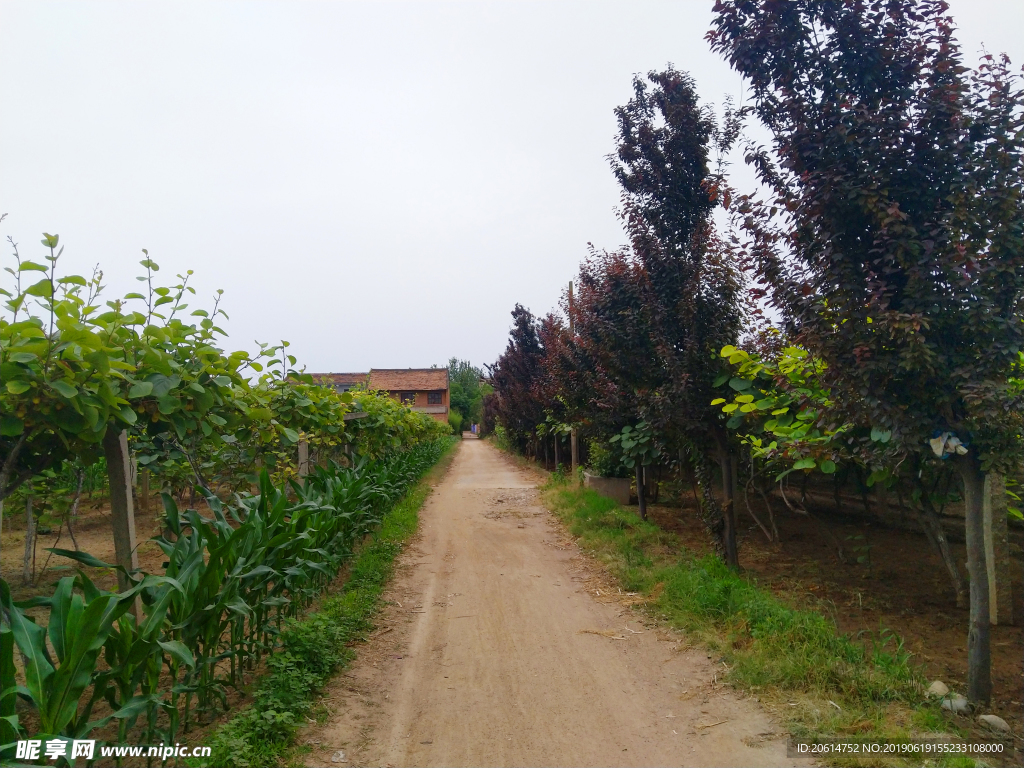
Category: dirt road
[497,650]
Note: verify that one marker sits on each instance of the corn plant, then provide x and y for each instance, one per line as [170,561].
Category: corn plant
[230,582]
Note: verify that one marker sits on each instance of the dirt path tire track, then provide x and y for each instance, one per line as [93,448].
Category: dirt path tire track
[492,653]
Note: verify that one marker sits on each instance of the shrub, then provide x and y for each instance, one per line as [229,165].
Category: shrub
[604,460]
[455,421]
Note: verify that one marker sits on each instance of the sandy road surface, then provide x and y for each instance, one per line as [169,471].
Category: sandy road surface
[492,653]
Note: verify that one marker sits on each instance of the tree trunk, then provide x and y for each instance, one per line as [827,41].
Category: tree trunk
[30,541]
[708,508]
[932,525]
[835,494]
[7,468]
[979,660]
[641,498]
[556,452]
[73,512]
[863,488]
[884,503]
[729,472]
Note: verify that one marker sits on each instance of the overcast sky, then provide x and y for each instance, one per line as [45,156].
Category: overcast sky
[377,182]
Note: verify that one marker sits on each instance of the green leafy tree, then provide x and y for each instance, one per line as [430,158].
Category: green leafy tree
[465,392]
[640,449]
[61,368]
[72,371]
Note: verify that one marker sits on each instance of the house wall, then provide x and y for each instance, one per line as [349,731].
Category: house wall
[422,401]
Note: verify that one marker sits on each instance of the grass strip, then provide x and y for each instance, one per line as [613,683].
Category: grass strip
[817,681]
[316,646]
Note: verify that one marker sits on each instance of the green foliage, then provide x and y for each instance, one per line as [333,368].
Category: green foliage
[390,425]
[501,439]
[557,431]
[455,422]
[781,410]
[638,445]
[8,687]
[72,369]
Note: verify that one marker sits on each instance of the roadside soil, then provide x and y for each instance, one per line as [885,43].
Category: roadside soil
[94,534]
[501,644]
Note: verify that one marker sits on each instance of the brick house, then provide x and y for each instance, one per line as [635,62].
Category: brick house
[423,389]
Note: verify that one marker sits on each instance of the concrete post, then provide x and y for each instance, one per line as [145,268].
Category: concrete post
[303,460]
[115,446]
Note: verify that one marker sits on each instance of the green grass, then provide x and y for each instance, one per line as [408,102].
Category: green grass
[816,680]
[317,646]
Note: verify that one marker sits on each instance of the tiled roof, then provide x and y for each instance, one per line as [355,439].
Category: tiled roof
[341,378]
[409,379]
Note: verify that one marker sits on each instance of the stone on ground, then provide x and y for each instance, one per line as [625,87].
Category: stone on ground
[956,704]
[995,723]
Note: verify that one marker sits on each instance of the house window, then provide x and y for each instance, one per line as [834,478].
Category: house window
[409,398]
[434,398]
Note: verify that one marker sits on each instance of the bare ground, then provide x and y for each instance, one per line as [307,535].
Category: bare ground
[502,645]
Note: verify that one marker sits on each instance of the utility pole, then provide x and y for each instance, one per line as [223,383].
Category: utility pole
[573,442]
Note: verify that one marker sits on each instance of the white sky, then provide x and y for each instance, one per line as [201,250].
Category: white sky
[377,182]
